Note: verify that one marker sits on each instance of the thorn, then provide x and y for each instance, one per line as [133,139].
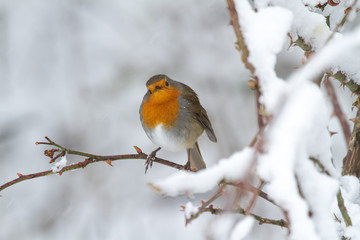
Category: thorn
[202,202]
[109,162]
[211,206]
[138,150]
[291,40]
[182,207]
[60,173]
[51,161]
[19,174]
[333,133]
[223,192]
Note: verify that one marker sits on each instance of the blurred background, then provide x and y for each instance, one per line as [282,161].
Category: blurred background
[75,71]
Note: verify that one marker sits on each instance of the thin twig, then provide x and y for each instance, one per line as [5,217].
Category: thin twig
[343,209]
[320,165]
[260,219]
[203,206]
[339,197]
[337,109]
[90,158]
[254,197]
[244,57]
[253,189]
[342,22]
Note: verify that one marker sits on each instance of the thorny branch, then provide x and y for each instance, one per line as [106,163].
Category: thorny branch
[204,205]
[241,46]
[337,109]
[207,206]
[90,158]
[339,197]
[260,219]
[258,141]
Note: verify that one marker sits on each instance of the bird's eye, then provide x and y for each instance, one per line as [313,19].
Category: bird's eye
[149,91]
[166,83]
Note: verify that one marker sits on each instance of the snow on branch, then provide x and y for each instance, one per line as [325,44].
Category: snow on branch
[232,169]
[296,113]
[290,159]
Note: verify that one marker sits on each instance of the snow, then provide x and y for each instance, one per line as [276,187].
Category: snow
[59,165]
[298,127]
[350,188]
[311,26]
[190,210]
[242,228]
[300,118]
[273,23]
[233,168]
[92,60]
[338,48]
[76,72]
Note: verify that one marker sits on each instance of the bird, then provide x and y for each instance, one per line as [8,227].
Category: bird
[173,118]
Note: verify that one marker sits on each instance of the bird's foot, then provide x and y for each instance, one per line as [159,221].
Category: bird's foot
[150,159]
[187,166]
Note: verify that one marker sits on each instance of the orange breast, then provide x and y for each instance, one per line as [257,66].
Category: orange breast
[161,107]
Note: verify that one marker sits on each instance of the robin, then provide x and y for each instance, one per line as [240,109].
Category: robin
[173,118]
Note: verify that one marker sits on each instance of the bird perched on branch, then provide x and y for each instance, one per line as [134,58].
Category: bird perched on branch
[173,118]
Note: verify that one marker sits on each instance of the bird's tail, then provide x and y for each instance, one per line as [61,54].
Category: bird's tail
[195,158]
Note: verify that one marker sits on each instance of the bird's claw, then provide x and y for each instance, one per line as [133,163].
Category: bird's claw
[187,166]
[150,159]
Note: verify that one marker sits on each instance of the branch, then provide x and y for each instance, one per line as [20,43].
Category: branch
[339,197]
[90,158]
[349,83]
[254,190]
[343,209]
[205,204]
[351,162]
[260,219]
[337,109]
[244,57]
[343,20]
[208,207]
